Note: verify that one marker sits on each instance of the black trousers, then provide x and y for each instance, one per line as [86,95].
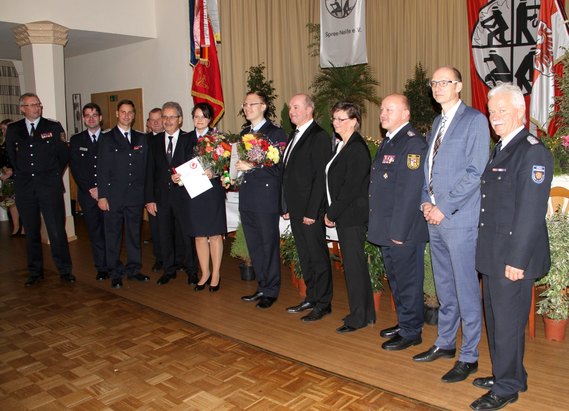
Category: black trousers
[263,242]
[131,218]
[155,236]
[52,207]
[406,272]
[314,261]
[94,219]
[358,283]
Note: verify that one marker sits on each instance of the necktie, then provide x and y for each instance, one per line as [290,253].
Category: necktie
[291,145]
[496,150]
[169,150]
[436,147]
[94,137]
[32,130]
[126,136]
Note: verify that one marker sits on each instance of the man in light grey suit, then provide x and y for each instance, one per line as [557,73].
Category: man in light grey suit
[458,153]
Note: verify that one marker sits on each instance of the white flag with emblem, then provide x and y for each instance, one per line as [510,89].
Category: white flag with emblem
[342,33]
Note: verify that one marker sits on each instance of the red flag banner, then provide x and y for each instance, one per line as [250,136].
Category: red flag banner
[552,42]
[502,38]
[206,82]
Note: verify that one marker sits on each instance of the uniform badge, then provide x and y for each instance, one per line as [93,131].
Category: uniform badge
[410,133]
[413,161]
[137,147]
[388,159]
[46,135]
[83,149]
[538,174]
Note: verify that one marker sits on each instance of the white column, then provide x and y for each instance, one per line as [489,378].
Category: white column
[41,45]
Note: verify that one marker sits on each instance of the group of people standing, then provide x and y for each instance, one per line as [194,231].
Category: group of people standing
[482,214]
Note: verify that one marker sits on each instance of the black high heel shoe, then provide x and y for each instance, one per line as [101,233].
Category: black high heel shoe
[214,288]
[200,287]
[17,233]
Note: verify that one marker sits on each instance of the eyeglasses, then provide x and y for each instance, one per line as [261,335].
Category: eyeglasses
[441,83]
[170,117]
[341,120]
[34,105]
[246,105]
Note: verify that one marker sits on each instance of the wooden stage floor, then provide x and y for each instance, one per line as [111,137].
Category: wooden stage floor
[356,356]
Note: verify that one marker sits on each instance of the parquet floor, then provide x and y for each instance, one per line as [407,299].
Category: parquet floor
[89,347]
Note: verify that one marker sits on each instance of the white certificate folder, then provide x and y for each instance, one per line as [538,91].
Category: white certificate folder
[193,177]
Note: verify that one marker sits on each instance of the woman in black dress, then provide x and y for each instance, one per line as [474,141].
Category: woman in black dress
[6,177]
[207,213]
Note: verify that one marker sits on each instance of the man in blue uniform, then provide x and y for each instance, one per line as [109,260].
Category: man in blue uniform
[395,219]
[39,154]
[84,149]
[122,167]
[513,244]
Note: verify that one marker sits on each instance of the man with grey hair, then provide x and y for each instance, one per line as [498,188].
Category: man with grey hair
[513,245]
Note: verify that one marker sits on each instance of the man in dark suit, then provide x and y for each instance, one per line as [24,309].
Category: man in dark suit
[84,148]
[39,154]
[259,205]
[120,180]
[458,151]
[395,219]
[304,188]
[165,200]
[154,122]
[513,244]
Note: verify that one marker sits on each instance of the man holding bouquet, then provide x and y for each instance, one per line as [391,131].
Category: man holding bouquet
[259,203]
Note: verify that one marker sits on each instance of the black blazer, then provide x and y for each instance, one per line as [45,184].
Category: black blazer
[304,180]
[158,171]
[397,180]
[348,181]
[38,162]
[122,168]
[83,162]
[515,190]
[260,190]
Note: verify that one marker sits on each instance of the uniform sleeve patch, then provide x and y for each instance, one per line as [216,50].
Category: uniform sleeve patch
[532,140]
[538,174]
[413,161]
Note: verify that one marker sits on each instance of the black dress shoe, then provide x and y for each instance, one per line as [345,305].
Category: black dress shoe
[460,371]
[33,279]
[266,302]
[252,297]
[157,266]
[345,329]
[116,283]
[139,277]
[215,288]
[399,343]
[390,332]
[491,401]
[316,314]
[488,382]
[433,353]
[193,279]
[165,279]
[68,278]
[303,306]
[101,275]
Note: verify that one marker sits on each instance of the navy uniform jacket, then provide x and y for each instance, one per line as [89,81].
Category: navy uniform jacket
[158,172]
[39,161]
[260,190]
[515,190]
[397,179]
[348,181]
[84,161]
[122,168]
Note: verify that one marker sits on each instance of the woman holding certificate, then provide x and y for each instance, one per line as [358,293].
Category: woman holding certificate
[208,222]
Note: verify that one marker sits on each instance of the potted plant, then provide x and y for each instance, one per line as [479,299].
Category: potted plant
[376,271]
[289,257]
[256,81]
[424,108]
[431,309]
[554,302]
[239,250]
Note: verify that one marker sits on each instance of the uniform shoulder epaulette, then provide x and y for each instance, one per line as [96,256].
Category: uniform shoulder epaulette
[51,119]
[532,140]
[138,131]
[411,133]
[107,130]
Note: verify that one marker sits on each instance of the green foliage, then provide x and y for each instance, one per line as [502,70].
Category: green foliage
[289,253]
[375,266]
[421,100]
[314,32]
[285,120]
[555,301]
[239,246]
[256,81]
[431,299]
[355,84]
[372,145]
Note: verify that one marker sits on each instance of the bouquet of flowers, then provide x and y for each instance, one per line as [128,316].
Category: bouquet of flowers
[259,151]
[214,151]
